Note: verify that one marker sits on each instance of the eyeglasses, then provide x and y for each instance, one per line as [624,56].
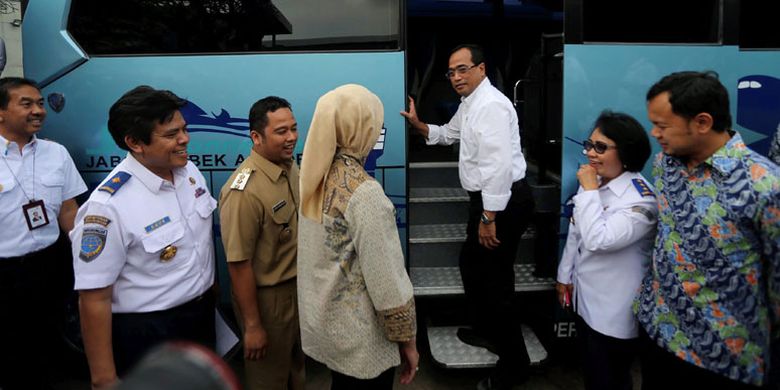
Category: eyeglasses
[598,146]
[460,70]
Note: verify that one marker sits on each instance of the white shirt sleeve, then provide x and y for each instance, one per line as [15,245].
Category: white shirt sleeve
[98,246]
[74,184]
[495,155]
[605,233]
[570,254]
[446,134]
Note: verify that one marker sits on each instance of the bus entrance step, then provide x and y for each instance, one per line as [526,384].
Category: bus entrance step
[437,281]
[449,352]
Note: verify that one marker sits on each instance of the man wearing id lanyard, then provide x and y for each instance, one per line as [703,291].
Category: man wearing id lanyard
[259,217]
[142,245]
[38,184]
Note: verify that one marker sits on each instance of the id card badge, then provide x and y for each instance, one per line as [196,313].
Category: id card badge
[35,214]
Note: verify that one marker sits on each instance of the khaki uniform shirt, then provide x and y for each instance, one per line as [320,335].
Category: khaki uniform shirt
[260,221]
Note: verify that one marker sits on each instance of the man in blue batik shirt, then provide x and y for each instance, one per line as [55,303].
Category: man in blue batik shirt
[709,307]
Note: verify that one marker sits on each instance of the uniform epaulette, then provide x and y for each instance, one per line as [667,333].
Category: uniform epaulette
[113,184]
[642,187]
[241,178]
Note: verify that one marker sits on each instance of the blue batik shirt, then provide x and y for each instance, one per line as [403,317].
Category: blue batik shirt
[774,148]
[712,296]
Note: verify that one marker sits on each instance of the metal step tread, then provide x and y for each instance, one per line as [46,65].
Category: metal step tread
[439,194]
[434,281]
[447,232]
[448,351]
[433,165]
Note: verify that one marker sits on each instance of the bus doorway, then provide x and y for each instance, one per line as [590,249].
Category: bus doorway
[523,46]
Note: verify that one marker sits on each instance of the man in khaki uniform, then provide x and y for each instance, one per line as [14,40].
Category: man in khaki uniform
[259,217]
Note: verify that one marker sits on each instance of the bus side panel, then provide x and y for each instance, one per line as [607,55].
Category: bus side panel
[617,77]
[221,89]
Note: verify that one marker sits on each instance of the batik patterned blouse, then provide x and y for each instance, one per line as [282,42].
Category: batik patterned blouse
[713,294]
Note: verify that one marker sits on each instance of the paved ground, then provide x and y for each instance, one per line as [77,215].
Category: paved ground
[554,374]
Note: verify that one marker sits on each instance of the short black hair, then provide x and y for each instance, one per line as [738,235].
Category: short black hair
[477,54]
[138,111]
[258,114]
[7,84]
[692,93]
[633,145]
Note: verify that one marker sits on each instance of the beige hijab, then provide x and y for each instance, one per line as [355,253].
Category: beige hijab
[347,120]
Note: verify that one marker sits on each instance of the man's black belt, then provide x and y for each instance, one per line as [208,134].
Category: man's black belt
[28,256]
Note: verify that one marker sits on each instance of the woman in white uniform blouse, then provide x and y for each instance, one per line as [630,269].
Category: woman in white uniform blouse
[608,248]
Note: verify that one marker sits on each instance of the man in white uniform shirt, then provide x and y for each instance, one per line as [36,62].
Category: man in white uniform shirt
[142,245]
[38,184]
[492,170]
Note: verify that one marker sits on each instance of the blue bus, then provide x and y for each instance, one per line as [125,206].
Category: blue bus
[561,63]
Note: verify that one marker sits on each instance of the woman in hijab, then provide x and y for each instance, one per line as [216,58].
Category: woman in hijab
[356,302]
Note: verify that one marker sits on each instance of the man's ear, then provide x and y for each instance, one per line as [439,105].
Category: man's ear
[257,138]
[135,145]
[702,122]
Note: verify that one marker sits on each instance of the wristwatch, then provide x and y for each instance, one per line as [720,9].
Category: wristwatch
[484,219]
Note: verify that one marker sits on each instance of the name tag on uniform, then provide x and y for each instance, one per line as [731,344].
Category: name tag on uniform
[278,206]
[35,214]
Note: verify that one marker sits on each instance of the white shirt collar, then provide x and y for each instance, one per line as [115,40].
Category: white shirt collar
[619,184]
[153,182]
[481,87]
[5,144]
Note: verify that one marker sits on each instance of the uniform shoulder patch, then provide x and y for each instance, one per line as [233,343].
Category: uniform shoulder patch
[93,240]
[241,178]
[642,187]
[113,184]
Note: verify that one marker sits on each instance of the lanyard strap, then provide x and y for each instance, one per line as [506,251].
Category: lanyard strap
[5,160]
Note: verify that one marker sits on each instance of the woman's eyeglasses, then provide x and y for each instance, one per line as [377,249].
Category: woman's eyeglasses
[598,146]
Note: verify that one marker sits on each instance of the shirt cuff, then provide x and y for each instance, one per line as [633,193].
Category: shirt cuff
[400,323]
[495,202]
[433,135]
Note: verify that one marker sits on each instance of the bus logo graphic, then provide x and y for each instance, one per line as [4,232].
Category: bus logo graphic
[200,121]
[758,108]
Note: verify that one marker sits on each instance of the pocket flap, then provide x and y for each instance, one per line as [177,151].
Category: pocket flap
[283,214]
[158,239]
[6,184]
[54,179]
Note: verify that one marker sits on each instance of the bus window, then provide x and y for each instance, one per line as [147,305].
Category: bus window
[757,26]
[138,27]
[334,26]
[660,21]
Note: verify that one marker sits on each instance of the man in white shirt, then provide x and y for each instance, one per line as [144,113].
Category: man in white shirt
[142,245]
[492,169]
[38,186]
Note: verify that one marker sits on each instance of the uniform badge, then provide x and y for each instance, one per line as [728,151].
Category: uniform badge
[93,240]
[113,184]
[192,180]
[241,178]
[156,224]
[97,220]
[200,191]
[168,253]
[642,187]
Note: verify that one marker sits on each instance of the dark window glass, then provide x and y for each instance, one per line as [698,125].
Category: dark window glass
[758,25]
[656,21]
[218,26]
